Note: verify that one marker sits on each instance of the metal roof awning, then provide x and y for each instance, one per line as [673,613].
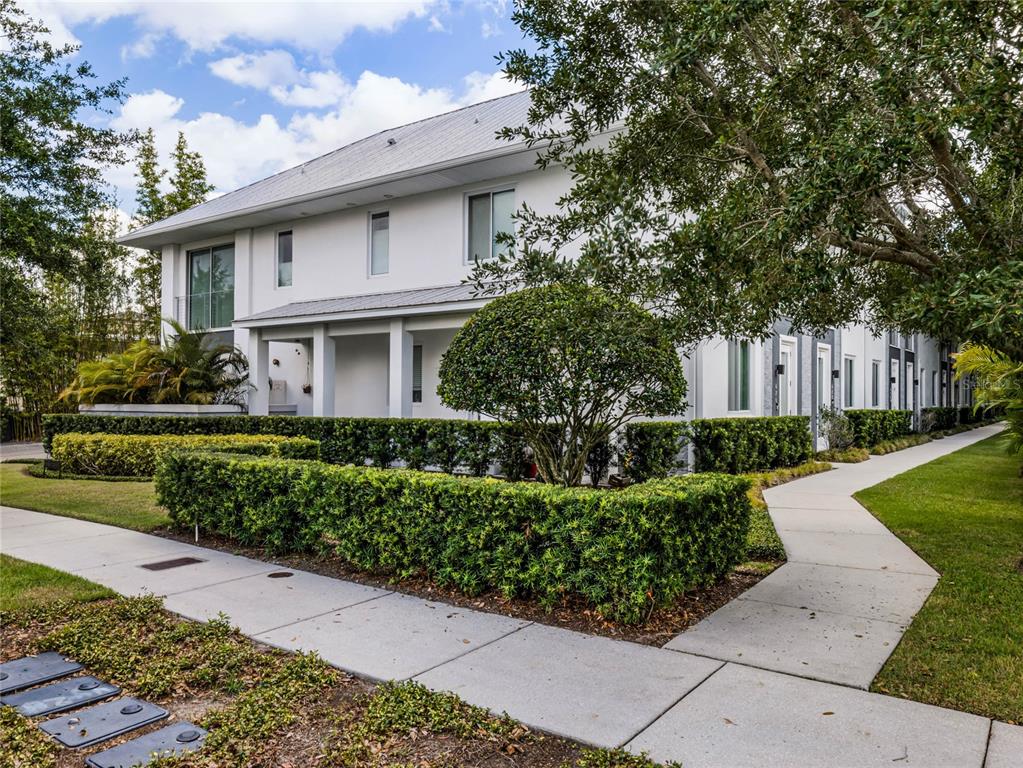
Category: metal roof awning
[448,298]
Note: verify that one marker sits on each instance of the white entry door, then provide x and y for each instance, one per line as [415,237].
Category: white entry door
[910,389]
[893,379]
[787,379]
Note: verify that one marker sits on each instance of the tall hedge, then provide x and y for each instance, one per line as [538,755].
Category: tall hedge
[944,416]
[621,551]
[875,426]
[749,444]
[651,449]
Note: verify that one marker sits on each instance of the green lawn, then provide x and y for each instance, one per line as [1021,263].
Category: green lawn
[27,585]
[127,504]
[964,515]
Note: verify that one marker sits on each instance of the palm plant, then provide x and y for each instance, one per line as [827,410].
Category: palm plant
[191,367]
[999,386]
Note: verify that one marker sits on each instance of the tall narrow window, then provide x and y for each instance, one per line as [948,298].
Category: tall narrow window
[875,383]
[211,287]
[379,243]
[417,373]
[934,387]
[850,384]
[284,259]
[490,215]
[824,377]
[738,376]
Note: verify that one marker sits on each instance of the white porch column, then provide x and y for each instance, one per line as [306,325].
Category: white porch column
[170,289]
[259,374]
[323,372]
[399,371]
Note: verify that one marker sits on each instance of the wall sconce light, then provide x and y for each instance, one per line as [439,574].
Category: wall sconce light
[916,382]
[779,370]
[836,373]
[276,362]
[891,380]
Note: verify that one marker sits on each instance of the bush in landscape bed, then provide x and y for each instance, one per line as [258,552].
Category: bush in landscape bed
[650,449]
[738,445]
[136,455]
[622,551]
[875,426]
[939,417]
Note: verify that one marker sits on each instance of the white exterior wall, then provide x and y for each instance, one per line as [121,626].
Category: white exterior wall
[865,348]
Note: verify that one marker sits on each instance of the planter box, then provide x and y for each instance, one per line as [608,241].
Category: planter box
[143,409]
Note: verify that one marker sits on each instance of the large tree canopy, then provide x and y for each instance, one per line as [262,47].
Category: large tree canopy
[739,161]
[566,364]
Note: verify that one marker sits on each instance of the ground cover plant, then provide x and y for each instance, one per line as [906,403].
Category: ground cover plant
[263,707]
[963,514]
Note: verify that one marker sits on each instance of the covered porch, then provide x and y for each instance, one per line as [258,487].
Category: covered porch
[370,355]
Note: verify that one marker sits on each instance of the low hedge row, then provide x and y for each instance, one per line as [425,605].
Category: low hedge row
[871,427]
[751,444]
[651,449]
[621,551]
[942,417]
[137,455]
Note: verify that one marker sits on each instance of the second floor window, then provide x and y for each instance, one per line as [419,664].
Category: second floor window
[738,375]
[417,373]
[490,215]
[211,287]
[875,383]
[379,243]
[284,258]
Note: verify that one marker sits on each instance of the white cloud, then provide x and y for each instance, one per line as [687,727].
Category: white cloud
[143,48]
[436,25]
[238,152]
[310,25]
[275,71]
[488,29]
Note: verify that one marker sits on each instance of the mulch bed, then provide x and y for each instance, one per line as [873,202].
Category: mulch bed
[660,626]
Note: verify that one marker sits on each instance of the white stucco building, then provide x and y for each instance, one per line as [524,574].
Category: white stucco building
[342,281]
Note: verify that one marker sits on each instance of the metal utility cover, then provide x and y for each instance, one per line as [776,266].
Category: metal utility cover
[91,726]
[32,670]
[177,739]
[177,562]
[57,697]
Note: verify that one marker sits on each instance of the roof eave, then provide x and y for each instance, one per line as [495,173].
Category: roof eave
[141,237]
[364,314]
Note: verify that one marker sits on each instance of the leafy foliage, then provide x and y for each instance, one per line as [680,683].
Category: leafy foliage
[650,449]
[871,427]
[738,445]
[836,428]
[999,387]
[188,187]
[569,356]
[137,455]
[624,552]
[190,368]
[781,159]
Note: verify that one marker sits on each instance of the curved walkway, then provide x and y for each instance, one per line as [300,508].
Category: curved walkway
[744,687]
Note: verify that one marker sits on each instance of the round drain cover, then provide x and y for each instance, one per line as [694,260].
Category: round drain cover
[188,736]
[280,575]
[88,685]
[4,675]
[131,709]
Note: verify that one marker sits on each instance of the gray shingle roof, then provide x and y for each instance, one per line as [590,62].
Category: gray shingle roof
[448,137]
[417,297]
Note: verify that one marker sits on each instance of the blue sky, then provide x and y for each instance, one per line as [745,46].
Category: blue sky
[261,86]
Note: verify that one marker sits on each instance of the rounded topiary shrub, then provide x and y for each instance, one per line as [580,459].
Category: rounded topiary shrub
[568,365]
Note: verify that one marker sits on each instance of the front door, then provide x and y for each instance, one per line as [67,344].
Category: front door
[893,394]
[787,379]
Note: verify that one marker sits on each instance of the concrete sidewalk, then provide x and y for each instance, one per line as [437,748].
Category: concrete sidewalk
[733,699]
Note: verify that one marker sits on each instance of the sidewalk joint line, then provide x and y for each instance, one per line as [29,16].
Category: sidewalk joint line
[321,615]
[471,650]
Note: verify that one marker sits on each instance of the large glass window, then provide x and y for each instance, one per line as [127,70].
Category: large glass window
[417,373]
[211,287]
[875,383]
[850,385]
[379,243]
[490,215]
[284,259]
[738,376]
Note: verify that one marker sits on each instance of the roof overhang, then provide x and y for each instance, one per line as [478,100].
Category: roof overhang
[451,307]
[505,161]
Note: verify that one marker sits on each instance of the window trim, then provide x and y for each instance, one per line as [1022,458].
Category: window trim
[466,197]
[415,348]
[823,378]
[849,381]
[370,215]
[875,383]
[277,258]
[209,247]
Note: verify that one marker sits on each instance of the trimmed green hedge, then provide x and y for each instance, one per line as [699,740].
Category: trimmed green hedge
[876,426]
[137,455]
[944,417]
[621,551]
[737,445]
[650,449]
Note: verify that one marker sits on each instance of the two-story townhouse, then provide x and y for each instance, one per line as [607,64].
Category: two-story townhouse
[342,280]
